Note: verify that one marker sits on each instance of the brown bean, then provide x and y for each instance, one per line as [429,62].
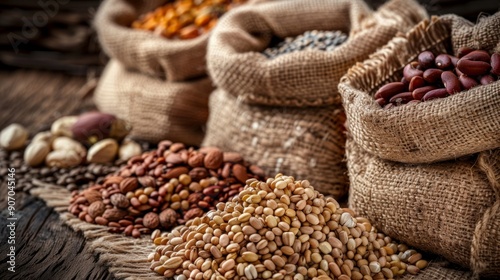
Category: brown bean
[128,230]
[401,98]
[176,172]
[389,90]
[176,147]
[477,55]
[226,170]
[114,224]
[495,64]
[432,75]
[467,82]
[413,269]
[212,190]
[101,221]
[426,59]
[463,51]
[414,258]
[136,233]
[443,61]
[435,93]
[135,202]
[473,68]
[203,204]
[411,71]
[416,82]
[486,79]
[419,93]
[125,223]
[381,101]
[451,82]
[240,172]
[454,60]
[405,82]
[232,157]
[89,219]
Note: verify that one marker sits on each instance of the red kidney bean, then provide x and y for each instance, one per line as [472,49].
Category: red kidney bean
[450,82]
[443,61]
[467,82]
[486,79]
[416,82]
[435,76]
[463,51]
[495,64]
[404,81]
[401,98]
[419,93]
[426,59]
[411,71]
[435,93]
[432,75]
[389,90]
[473,68]
[477,55]
[381,101]
[454,60]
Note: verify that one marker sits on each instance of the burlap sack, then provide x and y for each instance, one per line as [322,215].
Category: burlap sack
[306,78]
[305,142]
[174,60]
[284,114]
[439,191]
[157,109]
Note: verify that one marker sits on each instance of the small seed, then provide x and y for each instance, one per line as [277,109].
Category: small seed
[374,267]
[414,258]
[250,256]
[313,219]
[325,247]
[413,269]
[173,263]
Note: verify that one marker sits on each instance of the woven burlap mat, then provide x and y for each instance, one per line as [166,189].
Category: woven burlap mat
[125,256]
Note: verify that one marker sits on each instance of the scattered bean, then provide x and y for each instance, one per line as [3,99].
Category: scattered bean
[163,188]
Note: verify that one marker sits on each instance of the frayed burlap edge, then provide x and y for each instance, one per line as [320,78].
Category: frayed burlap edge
[155,108]
[175,60]
[126,257]
[373,128]
[307,78]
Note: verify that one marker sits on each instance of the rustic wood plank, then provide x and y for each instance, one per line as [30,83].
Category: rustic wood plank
[36,98]
[45,247]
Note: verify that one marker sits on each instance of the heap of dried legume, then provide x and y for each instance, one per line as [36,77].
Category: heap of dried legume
[310,40]
[163,188]
[280,229]
[185,19]
[434,76]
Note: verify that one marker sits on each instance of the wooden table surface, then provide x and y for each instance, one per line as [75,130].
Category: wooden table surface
[45,247]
